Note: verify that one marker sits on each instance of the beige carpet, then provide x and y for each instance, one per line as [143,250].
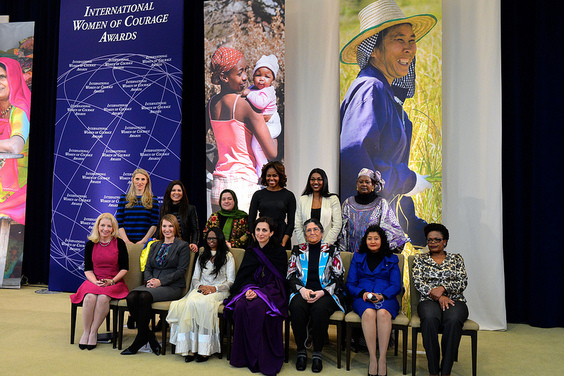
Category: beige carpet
[35,340]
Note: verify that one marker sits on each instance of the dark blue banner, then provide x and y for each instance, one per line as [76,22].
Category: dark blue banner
[119,100]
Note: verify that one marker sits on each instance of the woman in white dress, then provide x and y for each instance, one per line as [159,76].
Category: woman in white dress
[194,322]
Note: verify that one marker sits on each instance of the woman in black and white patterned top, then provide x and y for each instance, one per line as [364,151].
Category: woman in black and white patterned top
[441,279]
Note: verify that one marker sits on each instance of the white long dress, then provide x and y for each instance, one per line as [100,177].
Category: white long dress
[194,323]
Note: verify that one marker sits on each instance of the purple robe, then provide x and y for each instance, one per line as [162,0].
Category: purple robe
[257,334]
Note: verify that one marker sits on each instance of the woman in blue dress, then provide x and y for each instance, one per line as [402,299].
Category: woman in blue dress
[374,280]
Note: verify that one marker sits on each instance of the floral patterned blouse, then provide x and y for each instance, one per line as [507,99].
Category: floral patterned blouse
[239,232]
[450,274]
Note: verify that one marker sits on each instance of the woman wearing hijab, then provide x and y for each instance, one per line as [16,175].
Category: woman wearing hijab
[368,208]
[232,221]
[15,101]
[375,130]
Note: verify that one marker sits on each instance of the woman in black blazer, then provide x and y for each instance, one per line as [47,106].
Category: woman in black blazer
[164,279]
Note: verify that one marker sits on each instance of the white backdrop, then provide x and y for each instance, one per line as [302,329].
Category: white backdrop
[471,129]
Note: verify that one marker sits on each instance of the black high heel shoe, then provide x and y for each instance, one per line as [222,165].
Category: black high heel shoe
[82,346]
[129,351]
[155,346]
[90,347]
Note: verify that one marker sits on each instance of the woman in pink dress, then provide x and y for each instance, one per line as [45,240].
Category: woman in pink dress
[15,101]
[234,122]
[105,264]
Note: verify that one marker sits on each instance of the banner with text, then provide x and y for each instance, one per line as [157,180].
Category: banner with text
[119,97]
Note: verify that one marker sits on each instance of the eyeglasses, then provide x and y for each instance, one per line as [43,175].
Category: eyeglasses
[434,240]
[211,238]
[311,230]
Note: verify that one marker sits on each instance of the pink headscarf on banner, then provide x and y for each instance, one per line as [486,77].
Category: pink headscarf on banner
[223,60]
[20,97]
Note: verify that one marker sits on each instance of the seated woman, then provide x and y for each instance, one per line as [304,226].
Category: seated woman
[164,275]
[194,323]
[441,279]
[105,264]
[317,202]
[259,303]
[368,208]
[315,275]
[232,221]
[374,280]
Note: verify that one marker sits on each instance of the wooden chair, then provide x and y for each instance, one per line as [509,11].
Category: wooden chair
[130,280]
[337,318]
[401,322]
[161,308]
[470,327]
[133,278]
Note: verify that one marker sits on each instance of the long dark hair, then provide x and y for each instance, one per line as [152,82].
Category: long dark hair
[324,190]
[166,208]
[384,247]
[220,255]
[280,170]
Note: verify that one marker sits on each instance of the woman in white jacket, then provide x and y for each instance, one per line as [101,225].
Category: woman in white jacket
[317,202]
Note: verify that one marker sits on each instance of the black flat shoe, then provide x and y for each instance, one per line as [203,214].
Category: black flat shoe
[82,347]
[90,347]
[301,363]
[201,358]
[316,365]
[129,351]
[189,358]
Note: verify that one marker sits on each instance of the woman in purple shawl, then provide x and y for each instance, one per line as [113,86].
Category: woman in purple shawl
[259,304]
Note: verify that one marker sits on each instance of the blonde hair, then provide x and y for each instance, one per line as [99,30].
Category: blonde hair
[171,218]
[95,234]
[146,198]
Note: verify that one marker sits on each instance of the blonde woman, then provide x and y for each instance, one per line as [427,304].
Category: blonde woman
[138,210]
[105,264]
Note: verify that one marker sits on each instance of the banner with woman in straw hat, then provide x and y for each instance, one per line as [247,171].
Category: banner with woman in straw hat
[387,123]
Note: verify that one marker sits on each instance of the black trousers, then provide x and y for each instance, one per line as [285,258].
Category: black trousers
[451,320]
[319,312]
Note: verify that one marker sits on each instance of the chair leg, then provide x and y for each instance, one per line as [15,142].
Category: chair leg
[73,322]
[339,339]
[121,313]
[114,328]
[162,318]
[413,351]
[108,319]
[348,346]
[404,347]
[474,337]
[396,338]
[286,339]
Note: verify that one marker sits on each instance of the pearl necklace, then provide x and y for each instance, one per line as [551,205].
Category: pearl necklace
[4,112]
[105,244]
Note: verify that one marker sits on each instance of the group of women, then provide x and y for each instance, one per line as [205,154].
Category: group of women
[267,285]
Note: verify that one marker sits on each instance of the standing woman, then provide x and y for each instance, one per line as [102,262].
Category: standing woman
[275,202]
[232,221]
[374,280]
[15,102]
[138,210]
[316,202]
[164,275]
[259,303]
[368,208]
[234,122]
[175,202]
[441,279]
[105,264]
[194,323]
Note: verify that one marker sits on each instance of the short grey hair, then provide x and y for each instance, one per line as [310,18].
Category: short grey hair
[315,221]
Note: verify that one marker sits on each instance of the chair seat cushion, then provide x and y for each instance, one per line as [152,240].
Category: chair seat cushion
[338,315]
[161,306]
[352,317]
[471,325]
[400,319]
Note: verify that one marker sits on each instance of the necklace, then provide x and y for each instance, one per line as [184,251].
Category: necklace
[4,112]
[105,244]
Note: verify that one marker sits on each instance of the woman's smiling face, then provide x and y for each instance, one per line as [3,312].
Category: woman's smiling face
[394,56]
